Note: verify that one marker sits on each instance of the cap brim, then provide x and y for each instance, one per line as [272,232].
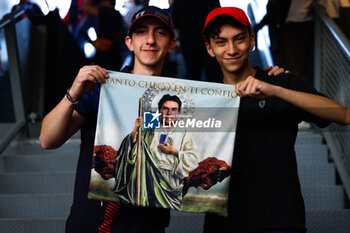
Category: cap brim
[149,15]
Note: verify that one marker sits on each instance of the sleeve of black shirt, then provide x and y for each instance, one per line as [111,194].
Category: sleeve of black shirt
[294,83]
[177,13]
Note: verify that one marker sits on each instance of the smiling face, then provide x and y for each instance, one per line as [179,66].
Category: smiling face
[150,42]
[231,48]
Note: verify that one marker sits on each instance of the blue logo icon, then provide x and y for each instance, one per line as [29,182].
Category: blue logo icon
[151,120]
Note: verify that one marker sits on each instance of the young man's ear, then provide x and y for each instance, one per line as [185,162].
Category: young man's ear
[173,43]
[128,42]
[252,41]
[209,50]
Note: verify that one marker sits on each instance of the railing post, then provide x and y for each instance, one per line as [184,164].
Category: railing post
[8,23]
[15,76]
[317,53]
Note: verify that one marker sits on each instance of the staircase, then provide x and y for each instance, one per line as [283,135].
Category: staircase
[36,186]
[37,189]
[325,200]
[327,210]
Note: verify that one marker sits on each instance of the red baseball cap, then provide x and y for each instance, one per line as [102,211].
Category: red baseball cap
[236,13]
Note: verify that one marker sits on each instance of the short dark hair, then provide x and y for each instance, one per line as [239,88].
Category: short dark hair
[168,97]
[213,28]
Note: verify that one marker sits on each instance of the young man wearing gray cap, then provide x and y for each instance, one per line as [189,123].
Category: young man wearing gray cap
[150,37]
[265,193]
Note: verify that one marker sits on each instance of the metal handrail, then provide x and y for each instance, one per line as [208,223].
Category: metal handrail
[11,134]
[337,34]
[8,24]
[323,22]
[8,18]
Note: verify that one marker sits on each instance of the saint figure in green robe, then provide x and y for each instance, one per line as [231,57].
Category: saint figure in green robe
[166,158]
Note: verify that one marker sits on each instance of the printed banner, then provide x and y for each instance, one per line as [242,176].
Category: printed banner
[164,142]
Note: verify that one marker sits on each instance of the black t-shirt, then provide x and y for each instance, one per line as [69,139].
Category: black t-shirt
[189,17]
[111,26]
[87,215]
[111,23]
[265,190]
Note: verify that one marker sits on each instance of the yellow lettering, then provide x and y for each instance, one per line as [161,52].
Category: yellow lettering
[211,92]
[182,89]
[160,86]
[140,84]
[117,81]
[132,83]
[202,91]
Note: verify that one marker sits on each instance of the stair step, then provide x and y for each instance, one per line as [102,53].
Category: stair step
[33,147]
[316,222]
[67,162]
[44,225]
[35,206]
[185,222]
[38,182]
[311,154]
[39,163]
[307,138]
[324,221]
[48,175]
[324,197]
[337,221]
[4,127]
[316,174]
[311,149]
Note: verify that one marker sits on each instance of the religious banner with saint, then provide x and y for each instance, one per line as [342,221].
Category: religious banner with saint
[164,142]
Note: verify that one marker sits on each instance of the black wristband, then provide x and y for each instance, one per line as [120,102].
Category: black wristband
[74,102]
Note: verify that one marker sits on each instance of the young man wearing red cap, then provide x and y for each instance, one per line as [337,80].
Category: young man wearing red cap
[150,37]
[265,193]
